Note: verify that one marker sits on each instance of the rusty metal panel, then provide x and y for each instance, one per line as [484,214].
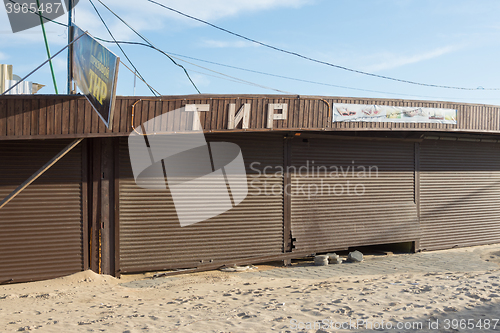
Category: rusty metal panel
[352,193]
[460,194]
[151,238]
[40,229]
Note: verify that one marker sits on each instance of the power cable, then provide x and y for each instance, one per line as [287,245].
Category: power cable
[139,77]
[123,51]
[231,78]
[147,41]
[315,60]
[237,80]
[180,56]
[293,78]
[46,61]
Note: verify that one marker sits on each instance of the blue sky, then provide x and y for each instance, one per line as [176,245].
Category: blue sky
[452,43]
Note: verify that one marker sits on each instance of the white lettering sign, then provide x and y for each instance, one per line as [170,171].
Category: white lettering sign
[272,115]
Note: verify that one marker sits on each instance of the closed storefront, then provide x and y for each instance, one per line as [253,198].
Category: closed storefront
[460,193]
[349,193]
[41,229]
[150,234]
[316,178]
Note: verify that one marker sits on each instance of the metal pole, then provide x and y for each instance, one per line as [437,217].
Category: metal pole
[70,49]
[46,61]
[48,51]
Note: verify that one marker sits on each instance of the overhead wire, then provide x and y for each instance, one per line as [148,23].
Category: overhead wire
[173,55]
[147,41]
[313,59]
[249,70]
[233,79]
[237,80]
[46,61]
[135,73]
[229,77]
[123,51]
[179,57]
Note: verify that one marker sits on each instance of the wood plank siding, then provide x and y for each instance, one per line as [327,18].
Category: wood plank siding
[52,116]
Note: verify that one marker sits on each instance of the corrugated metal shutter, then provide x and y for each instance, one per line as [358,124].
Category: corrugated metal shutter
[335,208]
[460,194]
[151,238]
[41,228]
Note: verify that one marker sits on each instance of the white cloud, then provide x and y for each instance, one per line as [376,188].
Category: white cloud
[2,56]
[56,34]
[207,10]
[145,16]
[216,9]
[391,60]
[142,15]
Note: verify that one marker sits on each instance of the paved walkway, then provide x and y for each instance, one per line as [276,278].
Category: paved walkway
[458,260]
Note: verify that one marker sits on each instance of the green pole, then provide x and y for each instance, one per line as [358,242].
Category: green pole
[48,50]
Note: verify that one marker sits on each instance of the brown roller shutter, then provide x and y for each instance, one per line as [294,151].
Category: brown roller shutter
[41,228]
[335,208]
[460,194]
[151,237]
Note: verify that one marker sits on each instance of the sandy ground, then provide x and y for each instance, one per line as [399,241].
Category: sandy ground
[227,302]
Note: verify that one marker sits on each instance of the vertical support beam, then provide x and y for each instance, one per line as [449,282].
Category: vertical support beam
[417,188]
[85,205]
[95,231]
[107,206]
[287,195]
[116,191]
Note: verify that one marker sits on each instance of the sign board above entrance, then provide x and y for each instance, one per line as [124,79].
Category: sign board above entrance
[392,114]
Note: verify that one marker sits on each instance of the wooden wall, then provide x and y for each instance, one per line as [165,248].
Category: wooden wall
[53,116]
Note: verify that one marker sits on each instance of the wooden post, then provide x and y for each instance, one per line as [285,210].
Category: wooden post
[95,204]
[287,196]
[117,207]
[107,206]
[417,189]
[85,205]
